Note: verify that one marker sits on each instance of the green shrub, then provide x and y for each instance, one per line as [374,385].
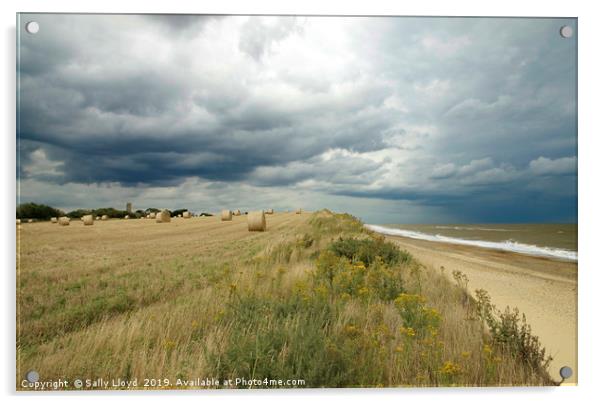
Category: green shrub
[335,223]
[356,268]
[367,250]
[511,332]
[416,315]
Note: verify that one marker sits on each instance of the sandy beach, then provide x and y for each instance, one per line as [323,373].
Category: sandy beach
[544,289]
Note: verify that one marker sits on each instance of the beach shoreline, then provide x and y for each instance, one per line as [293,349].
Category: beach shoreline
[544,289]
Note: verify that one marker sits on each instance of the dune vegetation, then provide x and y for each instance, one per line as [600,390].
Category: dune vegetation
[316,299]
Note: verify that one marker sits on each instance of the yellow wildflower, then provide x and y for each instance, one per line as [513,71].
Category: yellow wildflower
[409,331]
[169,344]
[450,368]
[487,349]
[351,330]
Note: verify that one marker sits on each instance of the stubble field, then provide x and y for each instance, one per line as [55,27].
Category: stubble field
[315,298]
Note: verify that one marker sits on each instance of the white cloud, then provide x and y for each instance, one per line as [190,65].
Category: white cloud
[560,166]
[443,170]
[476,166]
[40,166]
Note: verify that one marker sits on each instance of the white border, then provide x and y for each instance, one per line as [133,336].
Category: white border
[589,190]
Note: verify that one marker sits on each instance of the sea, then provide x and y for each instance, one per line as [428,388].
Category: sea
[547,240]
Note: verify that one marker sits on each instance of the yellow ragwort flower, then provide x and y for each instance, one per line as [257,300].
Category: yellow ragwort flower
[450,368]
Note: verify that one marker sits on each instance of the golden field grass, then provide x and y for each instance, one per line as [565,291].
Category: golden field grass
[315,297]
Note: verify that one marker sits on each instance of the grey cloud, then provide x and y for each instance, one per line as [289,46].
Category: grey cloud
[336,168]
[257,37]
[442,171]
[427,111]
[179,23]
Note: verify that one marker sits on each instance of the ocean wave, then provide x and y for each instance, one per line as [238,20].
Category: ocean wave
[508,245]
[471,228]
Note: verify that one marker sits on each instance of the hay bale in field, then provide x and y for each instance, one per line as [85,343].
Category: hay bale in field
[236,212]
[186,215]
[53,220]
[298,211]
[226,215]
[256,221]
[29,220]
[64,221]
[97,218]
[163,216]
[179,215]
[127,217]
[88,220]
[153,215]
[104,217]
[269,212]
[18,221]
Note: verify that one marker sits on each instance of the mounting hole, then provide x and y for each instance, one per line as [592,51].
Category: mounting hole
[566,31]
[566,372]
[32,27]
[32,376]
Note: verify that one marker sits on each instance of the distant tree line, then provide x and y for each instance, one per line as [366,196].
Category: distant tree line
[32,210]
[37,211]
[110,212]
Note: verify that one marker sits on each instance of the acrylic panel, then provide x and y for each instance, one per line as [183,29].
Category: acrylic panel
[230,201]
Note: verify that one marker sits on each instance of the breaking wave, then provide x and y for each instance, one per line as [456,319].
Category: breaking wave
[508,245]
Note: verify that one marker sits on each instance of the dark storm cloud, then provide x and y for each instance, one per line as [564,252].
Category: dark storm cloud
[182,22]
[451,113]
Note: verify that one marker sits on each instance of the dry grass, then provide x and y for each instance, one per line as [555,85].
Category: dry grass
[202,298]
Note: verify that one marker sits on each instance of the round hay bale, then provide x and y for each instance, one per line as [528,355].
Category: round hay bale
[256,221]
[127,217]
[97,218]
[226,215]
[153,215]
[163,216]
[29,220]
[18,221]
[53,220]
[104,217]
[179,215]
[64,221]
[88,220]
[269,212]
[298,211]
[186,215]
[236,212]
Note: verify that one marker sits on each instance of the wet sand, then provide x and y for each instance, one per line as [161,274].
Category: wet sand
[544,289]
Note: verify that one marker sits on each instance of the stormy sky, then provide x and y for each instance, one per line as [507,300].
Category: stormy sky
[395,120]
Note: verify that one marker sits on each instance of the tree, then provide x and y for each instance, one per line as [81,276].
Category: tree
[37,211]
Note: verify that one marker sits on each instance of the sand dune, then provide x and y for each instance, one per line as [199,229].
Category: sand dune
[544,289]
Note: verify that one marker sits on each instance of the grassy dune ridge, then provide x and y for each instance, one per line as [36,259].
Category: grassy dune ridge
[317,297]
